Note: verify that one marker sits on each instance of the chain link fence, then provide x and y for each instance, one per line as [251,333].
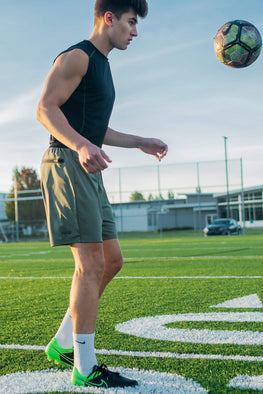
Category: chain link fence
[166,180]
[153,183]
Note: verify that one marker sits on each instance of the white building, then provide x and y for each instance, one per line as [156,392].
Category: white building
[245,206]
[190,211]
[193,211]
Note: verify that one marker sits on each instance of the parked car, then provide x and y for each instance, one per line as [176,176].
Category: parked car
[223,227]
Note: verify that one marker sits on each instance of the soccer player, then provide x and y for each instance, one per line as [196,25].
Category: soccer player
[75,108]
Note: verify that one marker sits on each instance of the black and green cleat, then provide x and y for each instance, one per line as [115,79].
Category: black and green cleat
[101,377]
[58,354]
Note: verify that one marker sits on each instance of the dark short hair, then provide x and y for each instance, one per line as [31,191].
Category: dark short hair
[119,7]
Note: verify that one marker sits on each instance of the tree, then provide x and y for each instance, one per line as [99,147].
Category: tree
[137,196]
[29,210]
[156,197]
[159,197]
[170,195]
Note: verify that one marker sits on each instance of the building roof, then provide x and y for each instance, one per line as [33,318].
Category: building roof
[238,191]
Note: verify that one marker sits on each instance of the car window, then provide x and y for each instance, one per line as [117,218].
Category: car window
[221,221]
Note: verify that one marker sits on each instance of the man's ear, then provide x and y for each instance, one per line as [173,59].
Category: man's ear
[108,16]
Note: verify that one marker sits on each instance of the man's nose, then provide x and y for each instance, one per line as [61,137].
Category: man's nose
[135,32]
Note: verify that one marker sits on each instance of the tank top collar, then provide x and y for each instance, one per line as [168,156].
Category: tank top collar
[97,50]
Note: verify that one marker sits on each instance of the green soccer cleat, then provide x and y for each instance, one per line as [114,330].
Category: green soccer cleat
[101,377]
[58,354]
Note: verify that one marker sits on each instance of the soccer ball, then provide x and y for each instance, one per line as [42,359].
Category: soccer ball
[237,44]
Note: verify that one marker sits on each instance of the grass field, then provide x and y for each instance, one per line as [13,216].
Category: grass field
[182,341]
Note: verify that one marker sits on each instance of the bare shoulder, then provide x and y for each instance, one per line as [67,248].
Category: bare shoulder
[66,74]
[72,62]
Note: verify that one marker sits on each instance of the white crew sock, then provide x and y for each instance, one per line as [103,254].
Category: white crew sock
[84,353]
[64,335]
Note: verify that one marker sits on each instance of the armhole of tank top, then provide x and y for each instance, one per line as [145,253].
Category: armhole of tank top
[71,49]
[90,55]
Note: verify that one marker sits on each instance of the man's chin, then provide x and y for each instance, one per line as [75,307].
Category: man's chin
[122,47]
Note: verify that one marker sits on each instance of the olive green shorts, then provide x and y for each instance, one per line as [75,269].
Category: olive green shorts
[76,204]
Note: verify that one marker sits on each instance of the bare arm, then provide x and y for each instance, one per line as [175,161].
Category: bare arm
[152,146]
[62,81]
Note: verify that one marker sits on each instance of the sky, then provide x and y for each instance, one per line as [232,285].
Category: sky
[169,83]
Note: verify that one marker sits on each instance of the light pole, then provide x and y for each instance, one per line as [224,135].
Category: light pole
[227,184]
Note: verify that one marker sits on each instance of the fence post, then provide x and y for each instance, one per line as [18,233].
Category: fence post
[16,209]
[242,196]
[227,182]
[199,198]
[120,197]
[158,180]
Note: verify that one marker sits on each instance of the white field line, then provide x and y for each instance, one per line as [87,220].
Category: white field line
[176,248]
[34,277]
[191,258]
[50,380]
[182,356]
[132,277]
[161,258]
[230,249]
[48,260]
[189,277]
[206,241]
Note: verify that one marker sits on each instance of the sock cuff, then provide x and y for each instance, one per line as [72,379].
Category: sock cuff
[83,337]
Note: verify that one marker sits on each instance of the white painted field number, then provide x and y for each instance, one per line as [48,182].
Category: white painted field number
[154,328]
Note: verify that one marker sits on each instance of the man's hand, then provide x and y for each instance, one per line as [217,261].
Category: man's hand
[92,158]
[154,147]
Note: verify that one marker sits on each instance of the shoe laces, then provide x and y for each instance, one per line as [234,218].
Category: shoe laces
[104,369]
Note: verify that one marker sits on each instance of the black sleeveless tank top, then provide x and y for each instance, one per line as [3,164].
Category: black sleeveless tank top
[89,108]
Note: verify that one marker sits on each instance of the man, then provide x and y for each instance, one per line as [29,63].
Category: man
[75,107]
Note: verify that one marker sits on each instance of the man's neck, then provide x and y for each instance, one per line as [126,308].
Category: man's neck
[100,40]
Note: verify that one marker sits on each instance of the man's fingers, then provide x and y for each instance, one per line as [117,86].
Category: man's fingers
[162,153]
[88,168]
[105,157]
[93,159]
[96,163]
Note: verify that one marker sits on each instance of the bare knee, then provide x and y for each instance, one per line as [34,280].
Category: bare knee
[93,270]
[113,257]
[117,264]
[114,265]
[89,263]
